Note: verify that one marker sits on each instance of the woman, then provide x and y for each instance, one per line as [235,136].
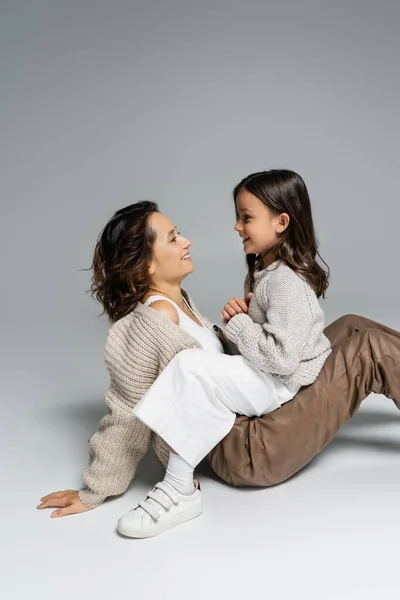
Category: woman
[279,332]
[256,452]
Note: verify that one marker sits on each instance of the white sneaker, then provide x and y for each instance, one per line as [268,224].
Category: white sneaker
[162,509]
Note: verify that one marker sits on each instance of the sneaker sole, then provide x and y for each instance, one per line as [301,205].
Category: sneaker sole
[184,517]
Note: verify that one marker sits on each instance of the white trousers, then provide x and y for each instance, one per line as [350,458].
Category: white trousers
[193,403]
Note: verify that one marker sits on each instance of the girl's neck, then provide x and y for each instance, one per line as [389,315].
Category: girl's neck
[268,258]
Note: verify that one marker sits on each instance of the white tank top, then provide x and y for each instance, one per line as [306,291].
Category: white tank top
[209,341]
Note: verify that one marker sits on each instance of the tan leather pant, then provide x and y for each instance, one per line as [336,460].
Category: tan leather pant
[267,450]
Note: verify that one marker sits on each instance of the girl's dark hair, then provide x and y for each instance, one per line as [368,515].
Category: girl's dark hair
[121,258]
[284,191]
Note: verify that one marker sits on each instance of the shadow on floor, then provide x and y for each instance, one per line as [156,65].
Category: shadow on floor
[86,415]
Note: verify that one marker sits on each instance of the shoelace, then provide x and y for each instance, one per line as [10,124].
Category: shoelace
[155,495]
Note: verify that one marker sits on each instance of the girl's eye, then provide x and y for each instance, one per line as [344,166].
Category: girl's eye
[246,219]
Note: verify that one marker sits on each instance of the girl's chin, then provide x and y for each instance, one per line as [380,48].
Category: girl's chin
[252,253]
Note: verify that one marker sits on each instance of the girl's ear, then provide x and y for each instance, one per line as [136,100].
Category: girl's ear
[283,223]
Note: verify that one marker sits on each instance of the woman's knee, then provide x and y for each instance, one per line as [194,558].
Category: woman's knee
[252,455]
[349,321]
[373,337]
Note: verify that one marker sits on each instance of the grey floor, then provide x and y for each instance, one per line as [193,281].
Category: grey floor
[330,532]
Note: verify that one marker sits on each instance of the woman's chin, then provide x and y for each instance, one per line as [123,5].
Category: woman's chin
[189,267]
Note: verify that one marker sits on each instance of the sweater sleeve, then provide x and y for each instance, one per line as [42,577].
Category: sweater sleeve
[275,346]
[116,449]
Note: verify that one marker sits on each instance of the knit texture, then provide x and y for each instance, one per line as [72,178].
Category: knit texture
[282,333]
[138,347]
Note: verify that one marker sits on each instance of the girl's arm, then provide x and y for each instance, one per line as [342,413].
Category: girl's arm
[275,346]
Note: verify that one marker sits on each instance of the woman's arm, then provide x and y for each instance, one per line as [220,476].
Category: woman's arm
[116,449]
[121,439]
[276,346]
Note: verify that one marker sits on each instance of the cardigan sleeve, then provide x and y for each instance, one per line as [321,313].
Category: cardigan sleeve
[116,449]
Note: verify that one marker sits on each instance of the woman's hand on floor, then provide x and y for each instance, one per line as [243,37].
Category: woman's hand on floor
[235,307]
[67,502]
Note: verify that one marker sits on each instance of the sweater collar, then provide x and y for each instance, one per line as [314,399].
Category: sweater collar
[259,274]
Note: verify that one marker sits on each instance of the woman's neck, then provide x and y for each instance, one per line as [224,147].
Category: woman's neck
[172,291]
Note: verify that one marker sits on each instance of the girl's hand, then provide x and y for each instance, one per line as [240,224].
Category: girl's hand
[67,500]
[236,306]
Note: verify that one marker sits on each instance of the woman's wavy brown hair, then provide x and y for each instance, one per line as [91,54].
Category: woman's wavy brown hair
[284,191]
[121,259]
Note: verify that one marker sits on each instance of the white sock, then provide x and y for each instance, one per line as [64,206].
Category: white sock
[180,474]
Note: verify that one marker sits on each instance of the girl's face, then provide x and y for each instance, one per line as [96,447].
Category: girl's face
[256,224]
[171,261]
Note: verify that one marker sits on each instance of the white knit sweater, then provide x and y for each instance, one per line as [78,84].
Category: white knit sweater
[282,333]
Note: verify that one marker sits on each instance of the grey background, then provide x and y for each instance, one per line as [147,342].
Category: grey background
[107,103]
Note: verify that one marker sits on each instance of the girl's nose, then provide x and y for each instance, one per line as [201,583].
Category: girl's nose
[237,227]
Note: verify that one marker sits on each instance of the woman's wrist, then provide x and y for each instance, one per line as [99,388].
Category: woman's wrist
[90,498]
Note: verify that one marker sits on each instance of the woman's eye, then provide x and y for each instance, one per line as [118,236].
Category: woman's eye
[176,237]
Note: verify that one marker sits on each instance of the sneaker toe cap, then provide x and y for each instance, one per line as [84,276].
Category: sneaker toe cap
[131,524]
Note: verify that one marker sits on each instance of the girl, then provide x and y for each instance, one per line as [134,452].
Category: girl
[194,402]
[282,330]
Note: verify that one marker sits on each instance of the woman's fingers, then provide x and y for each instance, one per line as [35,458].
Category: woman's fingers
[225,315]
[62,498]
[52,502]
[72,509]
[66,503]
[53,495]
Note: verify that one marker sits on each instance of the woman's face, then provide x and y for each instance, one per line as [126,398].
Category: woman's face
[171,261]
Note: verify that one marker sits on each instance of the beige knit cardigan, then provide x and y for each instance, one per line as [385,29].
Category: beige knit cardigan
[138,347]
